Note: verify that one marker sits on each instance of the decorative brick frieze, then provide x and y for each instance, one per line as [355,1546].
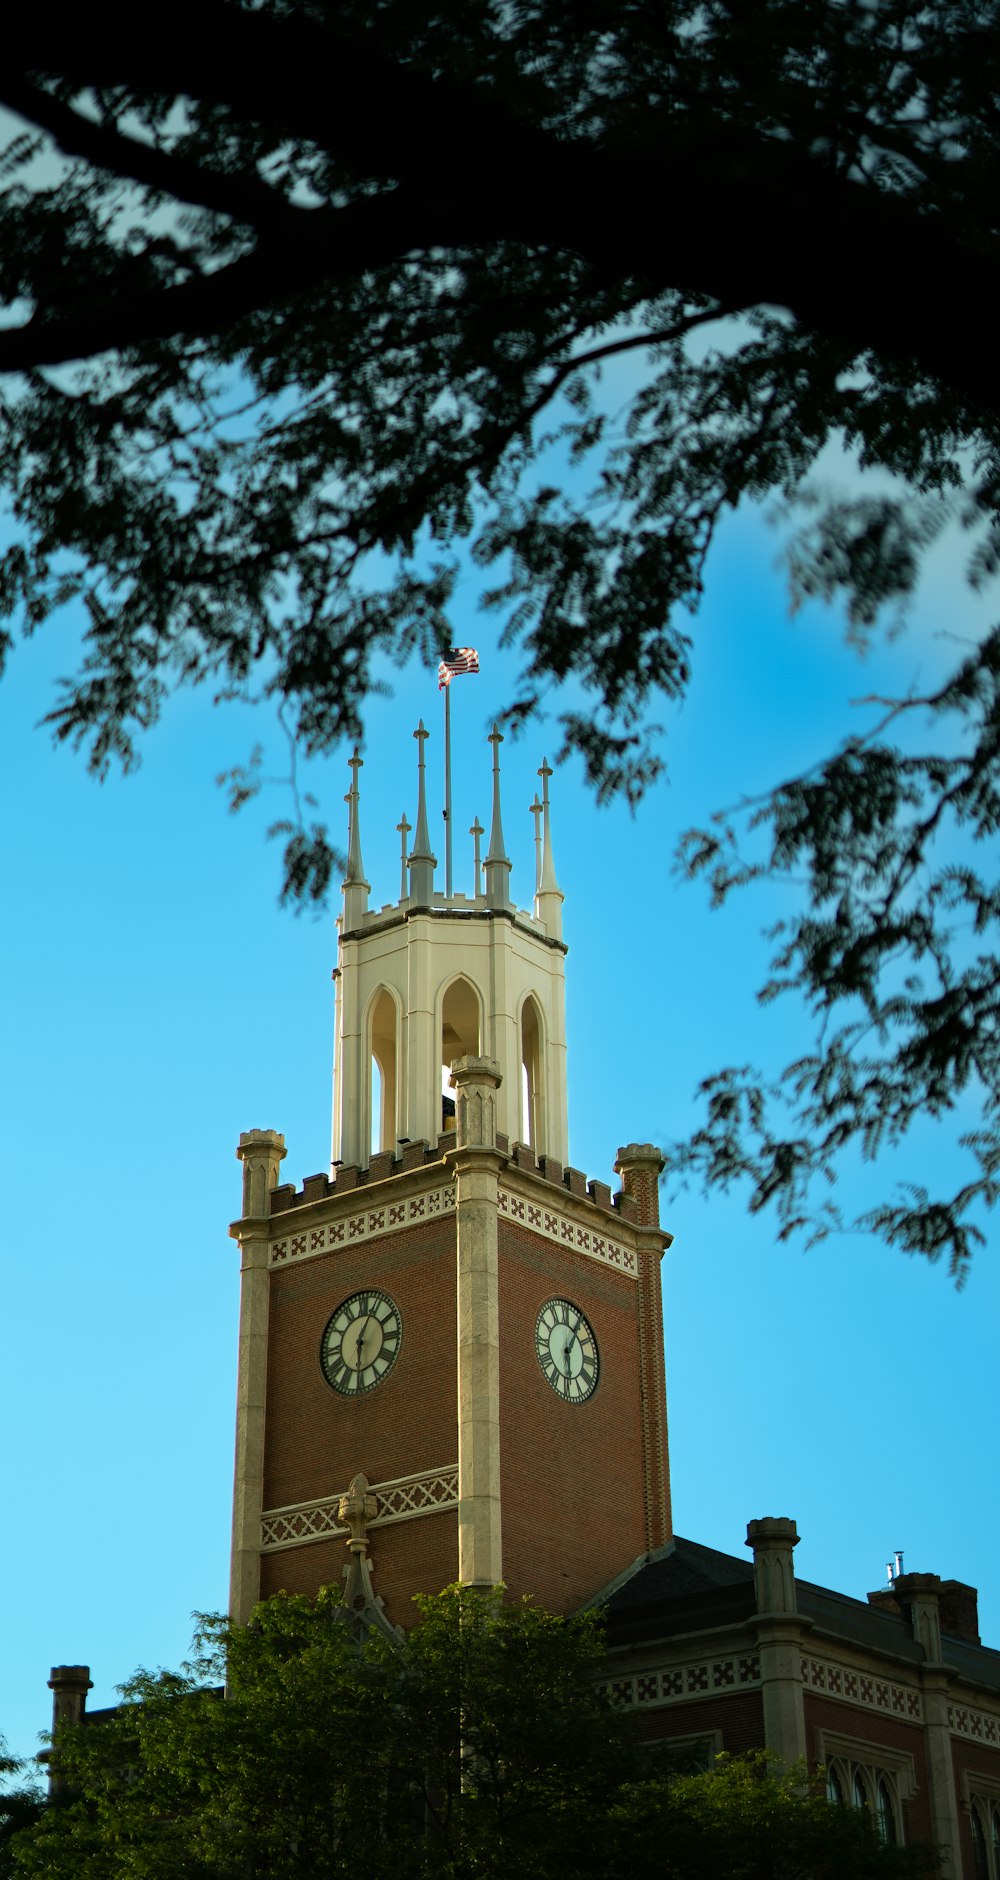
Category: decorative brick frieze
[862,1689]
[678,1684]
[979,1726]
[565,1230]
[350,1229]
[402,1500]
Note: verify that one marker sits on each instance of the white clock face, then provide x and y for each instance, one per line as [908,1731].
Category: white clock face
[361,1342]
[567,1351]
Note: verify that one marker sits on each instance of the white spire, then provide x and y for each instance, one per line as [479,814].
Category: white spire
[497,860]
[476,832]
[403,830]
[535,807]
[549,898]
[355,886]
[422,861]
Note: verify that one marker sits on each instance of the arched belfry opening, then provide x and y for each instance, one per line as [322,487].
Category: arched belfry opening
[461,1036]
[384,1035]
[532,1129]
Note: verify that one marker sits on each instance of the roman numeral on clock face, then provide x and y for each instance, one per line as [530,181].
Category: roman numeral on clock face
[567,1351]
[361,1342]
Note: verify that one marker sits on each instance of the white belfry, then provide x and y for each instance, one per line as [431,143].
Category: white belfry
[433,978]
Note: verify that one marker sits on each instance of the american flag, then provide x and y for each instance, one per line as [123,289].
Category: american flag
[457,660]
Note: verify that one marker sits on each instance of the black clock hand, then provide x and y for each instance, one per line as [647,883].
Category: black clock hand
[361,1340]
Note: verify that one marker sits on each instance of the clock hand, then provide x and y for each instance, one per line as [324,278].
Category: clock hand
[361,1340]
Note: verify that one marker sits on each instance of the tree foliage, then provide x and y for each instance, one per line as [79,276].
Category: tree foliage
[21,1804]
[304,302]
[481,1746]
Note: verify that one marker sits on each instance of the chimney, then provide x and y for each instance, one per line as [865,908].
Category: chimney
[959,1605]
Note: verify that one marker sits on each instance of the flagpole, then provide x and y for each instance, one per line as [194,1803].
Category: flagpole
[447,791]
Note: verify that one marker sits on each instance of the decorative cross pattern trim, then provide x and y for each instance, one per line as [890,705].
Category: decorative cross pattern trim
[856,1687]
[680,1683]
[567,1232]
[981,1726]
[399,1500]
[349,1229]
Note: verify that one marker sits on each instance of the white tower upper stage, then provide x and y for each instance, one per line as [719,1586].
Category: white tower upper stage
[434,977]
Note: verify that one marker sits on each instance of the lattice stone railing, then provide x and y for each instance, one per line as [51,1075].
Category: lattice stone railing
[980,1726]
[401,1500]
[862,1687]
[299,1241]
[679,1684]
[554,1225]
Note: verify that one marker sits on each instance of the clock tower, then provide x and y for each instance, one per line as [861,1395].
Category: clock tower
[451,1352]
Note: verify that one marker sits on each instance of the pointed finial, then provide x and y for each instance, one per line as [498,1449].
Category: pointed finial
[355,885]
[403,829]
[497,862]
[536,810]
[355,867]
[422,859]
[550,910]
[476,832]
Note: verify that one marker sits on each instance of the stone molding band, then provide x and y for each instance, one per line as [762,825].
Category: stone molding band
[685,1683]
[349,1230]
[404,1499]
[863,1688]
[567,1232]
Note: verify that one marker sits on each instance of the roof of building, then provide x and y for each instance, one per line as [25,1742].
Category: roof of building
[686,1587]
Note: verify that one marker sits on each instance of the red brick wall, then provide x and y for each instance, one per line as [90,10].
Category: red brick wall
[870,1727]
[740,1718]
[571,1474]
[316,1440]
[573,1506]
[407,1558]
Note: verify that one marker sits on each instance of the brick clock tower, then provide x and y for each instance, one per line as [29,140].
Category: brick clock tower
[451,1351]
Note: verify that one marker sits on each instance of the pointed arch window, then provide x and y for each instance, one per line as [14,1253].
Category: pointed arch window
[532,1129]
[384,1071]
[980,1857]
[835,1787]
[981,1795]
[461,1033]
[885,1814]
[869,1776]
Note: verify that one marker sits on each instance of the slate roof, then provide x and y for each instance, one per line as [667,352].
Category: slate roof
[685,1587]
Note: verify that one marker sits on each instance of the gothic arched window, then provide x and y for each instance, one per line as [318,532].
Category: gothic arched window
[460,1037]
[384,1074]
[885,1814]
[532,1129]
[980,1857]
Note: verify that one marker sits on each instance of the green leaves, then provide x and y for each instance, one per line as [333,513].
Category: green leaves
[479,1747]
[299,326]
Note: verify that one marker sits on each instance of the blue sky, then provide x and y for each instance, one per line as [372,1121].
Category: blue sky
[158,1002]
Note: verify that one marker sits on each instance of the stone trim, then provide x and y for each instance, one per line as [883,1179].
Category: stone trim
[863,1689]
[977,1726]
[403,1499]
[376,1219]
[566,1231]
[686,1683]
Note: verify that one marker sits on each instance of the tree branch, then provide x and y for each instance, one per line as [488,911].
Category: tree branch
[243,198]
[690,200]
